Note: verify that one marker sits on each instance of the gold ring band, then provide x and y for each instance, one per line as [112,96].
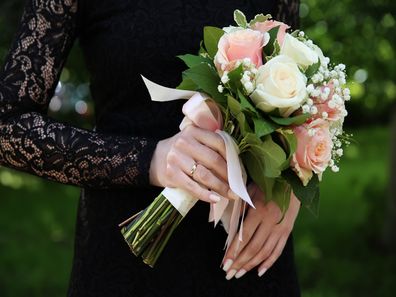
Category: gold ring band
[193,168]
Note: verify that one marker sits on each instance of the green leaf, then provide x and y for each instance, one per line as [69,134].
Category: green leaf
[263,127]
[311,70]
[309,194]
[297,120]
[260,18]
[269,49]
[233,105]
[192,60]
[270,155]
[240,18]
[290,141]
[207,81]
[281,192]
[187,84]
[236,111]
[246,105]
[254,167]
[202,50]
[212,36]
[235,77]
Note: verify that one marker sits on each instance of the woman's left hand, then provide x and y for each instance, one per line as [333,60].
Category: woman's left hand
[263,236]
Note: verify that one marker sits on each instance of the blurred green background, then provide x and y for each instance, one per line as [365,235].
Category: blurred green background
[348,251]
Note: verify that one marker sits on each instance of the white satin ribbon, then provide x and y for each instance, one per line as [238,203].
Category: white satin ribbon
[228,211]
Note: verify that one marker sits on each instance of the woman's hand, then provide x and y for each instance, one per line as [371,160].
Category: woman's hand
[263,236]
[193,160]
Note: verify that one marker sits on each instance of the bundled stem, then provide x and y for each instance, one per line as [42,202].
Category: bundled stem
[148,231]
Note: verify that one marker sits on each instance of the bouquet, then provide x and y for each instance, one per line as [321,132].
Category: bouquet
[278,104]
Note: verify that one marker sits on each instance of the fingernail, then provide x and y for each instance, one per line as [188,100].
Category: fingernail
[240,273]
[227,264]
[214,198]
[230,274]
[262,271]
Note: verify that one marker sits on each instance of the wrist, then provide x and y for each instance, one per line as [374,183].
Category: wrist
[158,161]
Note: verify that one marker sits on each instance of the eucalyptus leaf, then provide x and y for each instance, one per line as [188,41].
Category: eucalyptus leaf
[259,18]
[297,120]
[240,18]
[212,36]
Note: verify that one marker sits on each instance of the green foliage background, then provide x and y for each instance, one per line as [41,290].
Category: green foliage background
[338,254]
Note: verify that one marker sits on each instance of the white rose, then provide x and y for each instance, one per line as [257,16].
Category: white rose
[280,84]
[298,51]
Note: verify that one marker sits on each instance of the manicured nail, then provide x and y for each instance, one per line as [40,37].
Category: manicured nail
[227,264]
[240,273]
[230,274]
[262,271]
[214,198]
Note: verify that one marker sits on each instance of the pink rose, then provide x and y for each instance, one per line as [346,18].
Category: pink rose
[313,152]
[268,25]
[238,45]
[332,109]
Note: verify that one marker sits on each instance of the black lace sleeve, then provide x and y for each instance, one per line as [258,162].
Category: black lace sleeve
[288,12]
[34,143]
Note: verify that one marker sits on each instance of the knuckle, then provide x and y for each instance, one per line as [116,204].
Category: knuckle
[202,194]
[171,158]
[255,247]
[189,129]
[216,159]
[170,172]
[203,174]
[181,142]
[265,252]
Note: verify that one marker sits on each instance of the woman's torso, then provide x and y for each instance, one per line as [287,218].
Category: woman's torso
[122,39]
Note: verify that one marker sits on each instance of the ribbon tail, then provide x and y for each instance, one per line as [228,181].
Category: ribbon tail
[235,170]
[217,210]
[162,94]
[234,222]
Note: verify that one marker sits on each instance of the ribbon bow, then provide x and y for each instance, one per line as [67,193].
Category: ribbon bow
[203,112]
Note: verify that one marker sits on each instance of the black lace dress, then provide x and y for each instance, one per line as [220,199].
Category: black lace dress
[120,40]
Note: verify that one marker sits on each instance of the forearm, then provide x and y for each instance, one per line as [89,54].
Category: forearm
[36,144]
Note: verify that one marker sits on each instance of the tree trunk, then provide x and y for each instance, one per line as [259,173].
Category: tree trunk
[390,222]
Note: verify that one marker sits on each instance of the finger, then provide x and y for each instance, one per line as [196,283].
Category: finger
[250,225]
[204,155]
[199,192]
[202,175]
[210,139]
[273,257]
[251,250]
[206,178]
[264,253]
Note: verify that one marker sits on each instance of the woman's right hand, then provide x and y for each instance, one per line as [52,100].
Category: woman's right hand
[173,162]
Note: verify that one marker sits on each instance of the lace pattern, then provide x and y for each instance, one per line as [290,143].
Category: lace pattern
[34,143]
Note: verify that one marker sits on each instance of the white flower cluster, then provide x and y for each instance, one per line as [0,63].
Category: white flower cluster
[326,100]
[248,77]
